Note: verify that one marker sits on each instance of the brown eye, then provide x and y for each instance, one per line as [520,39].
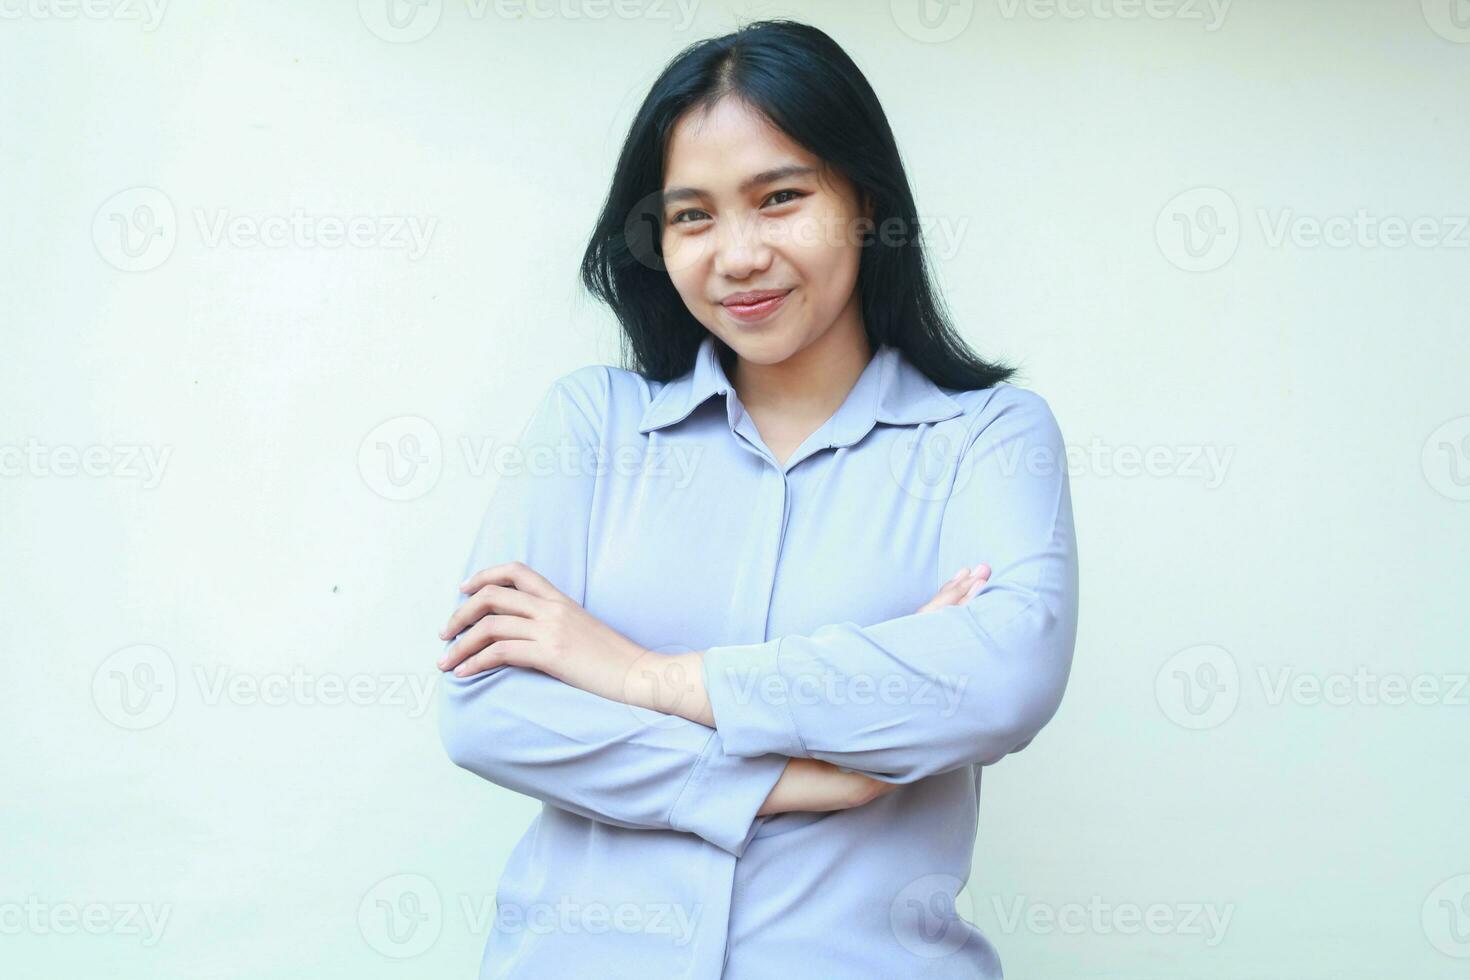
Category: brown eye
[798,195]
[678,218]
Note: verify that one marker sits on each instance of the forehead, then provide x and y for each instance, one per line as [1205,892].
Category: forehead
[718,147]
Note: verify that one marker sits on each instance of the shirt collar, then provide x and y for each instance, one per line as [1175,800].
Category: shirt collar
[890,390]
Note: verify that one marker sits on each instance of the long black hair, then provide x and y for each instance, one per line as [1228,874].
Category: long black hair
[809,88]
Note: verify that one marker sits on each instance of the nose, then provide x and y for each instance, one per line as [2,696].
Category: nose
[740,249]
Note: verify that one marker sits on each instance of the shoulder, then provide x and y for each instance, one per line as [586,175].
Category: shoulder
[603,395]
[586,388]
[1007,410]
[613,390]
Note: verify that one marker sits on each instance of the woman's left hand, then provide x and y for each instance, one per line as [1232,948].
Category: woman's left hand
[515,617]
[967,582]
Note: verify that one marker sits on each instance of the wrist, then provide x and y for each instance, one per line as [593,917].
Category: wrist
[607,671]
[642,679]
[779,799]
[693,703]
[671,683]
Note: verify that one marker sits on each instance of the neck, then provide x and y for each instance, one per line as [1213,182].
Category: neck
[810,384]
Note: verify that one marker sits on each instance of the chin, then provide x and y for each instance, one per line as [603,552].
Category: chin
[760,347]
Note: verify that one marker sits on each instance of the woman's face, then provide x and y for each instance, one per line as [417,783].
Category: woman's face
[746,210]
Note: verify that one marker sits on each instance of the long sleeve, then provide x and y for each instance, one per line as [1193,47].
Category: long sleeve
[929,692]
[531,733]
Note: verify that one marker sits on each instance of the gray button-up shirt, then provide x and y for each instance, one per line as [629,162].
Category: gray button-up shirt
[659,508]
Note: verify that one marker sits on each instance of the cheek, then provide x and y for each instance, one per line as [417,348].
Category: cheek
[683,283]
[818,236]
[683,258]
[683,263]
[823,241]
[690,279]
[827,264]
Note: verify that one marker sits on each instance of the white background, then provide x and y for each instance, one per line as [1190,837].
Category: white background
[301,528]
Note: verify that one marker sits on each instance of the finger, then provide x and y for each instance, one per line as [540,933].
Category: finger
[961,578]
[982,575]
[955,587]
[948,596]
[513,573]
[501,653]
[484,633]
[491,598]
[949,593]
[469,612]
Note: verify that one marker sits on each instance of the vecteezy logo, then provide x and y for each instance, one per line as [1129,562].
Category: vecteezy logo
[135,230]
[671,689]
[401,916]
[930,464]
[1445,459]
[1198,687]
[402,458]
[643,231]
[1450,19]
[931,916]
[400,21]
[1446,917]
[1199,230]
[932,21]
[135,687]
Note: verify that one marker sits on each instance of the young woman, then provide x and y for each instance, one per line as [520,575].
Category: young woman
[700,621]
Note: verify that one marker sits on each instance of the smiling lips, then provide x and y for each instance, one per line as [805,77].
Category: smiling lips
[756,305]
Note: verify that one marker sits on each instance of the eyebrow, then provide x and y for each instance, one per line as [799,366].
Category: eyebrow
[750,183]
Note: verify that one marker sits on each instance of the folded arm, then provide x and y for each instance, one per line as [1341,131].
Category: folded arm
[532,733]
[957,686]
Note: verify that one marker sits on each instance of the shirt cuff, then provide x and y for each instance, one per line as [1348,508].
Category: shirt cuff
[750,699]
[720,799]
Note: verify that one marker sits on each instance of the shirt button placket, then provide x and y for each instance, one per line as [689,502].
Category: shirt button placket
[780,509]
